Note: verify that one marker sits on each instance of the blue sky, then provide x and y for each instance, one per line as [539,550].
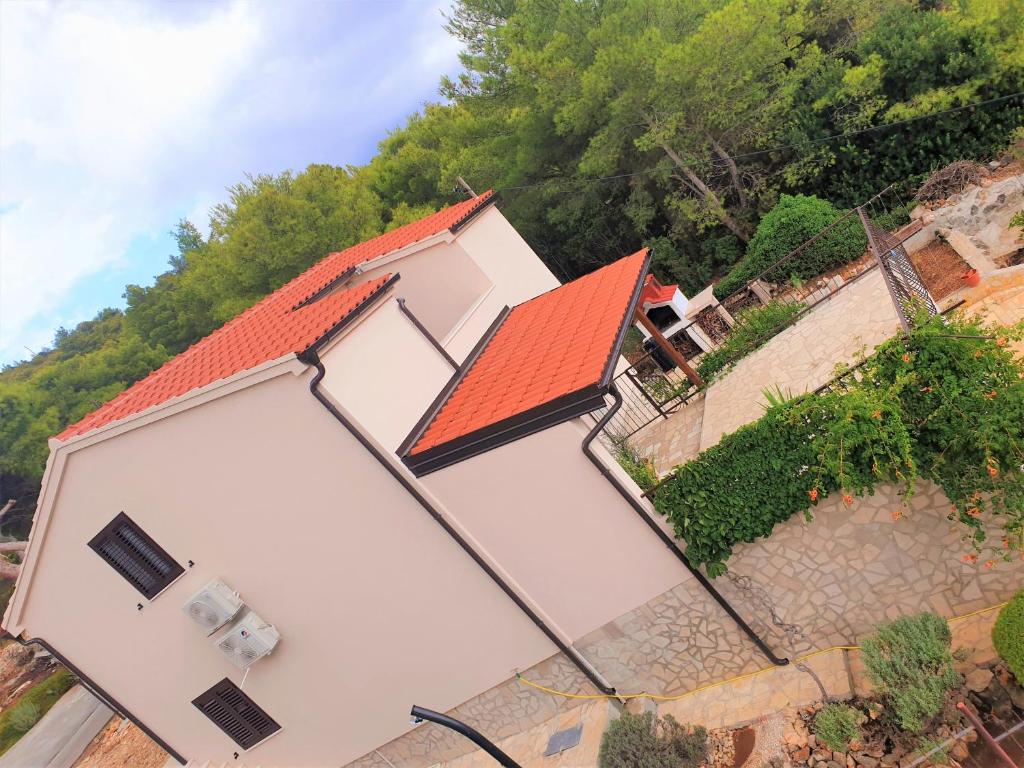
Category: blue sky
[117,119]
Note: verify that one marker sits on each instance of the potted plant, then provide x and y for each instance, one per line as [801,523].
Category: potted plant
[972,277]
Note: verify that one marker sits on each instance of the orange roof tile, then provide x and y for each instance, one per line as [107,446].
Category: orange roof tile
[656,293]
[554,349]
[277,325]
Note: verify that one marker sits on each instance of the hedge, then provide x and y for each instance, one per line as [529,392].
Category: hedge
[949,408]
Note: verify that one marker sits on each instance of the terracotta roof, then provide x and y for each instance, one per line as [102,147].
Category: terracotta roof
[555,352]
[278,324]
[656,293]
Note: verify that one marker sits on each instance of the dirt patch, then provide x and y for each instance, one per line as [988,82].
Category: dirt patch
[940,267]
[20,670]
[119,744]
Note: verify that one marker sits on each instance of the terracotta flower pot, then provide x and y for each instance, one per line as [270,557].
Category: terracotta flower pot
[971,277]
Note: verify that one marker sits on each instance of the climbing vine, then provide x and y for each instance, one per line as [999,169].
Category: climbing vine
[946,403]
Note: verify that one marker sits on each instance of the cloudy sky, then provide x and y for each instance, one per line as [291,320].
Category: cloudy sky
[118,119]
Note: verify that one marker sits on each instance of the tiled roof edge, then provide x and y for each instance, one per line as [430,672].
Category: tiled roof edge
[627,321]
[442,397]
[523,424]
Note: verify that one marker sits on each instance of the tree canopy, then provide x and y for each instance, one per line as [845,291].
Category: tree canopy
[606,124]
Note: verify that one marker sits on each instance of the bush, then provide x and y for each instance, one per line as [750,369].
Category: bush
[792,222]
[910,663]
[765,472]
[637,466]
[935,400]
[643,741]
[1008,635]
[837,725]
[17,720]
[753,328]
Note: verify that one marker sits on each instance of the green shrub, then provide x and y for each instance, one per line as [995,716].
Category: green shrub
[837,725]
[792,222]
[36,702]
[753,328]
[963,398]
[910,663]
[24,717]
[1008,635]
[765,472]
[643,741]
[933,403]
[637,466]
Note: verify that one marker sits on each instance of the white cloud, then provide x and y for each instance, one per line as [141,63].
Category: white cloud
[118,118]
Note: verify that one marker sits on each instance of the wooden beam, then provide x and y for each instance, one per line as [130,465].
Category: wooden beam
[673,353]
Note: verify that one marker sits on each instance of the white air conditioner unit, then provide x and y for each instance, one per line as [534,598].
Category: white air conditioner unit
[213,606]
[247,640]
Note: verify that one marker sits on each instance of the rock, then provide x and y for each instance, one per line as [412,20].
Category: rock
[801,755]
[865,760]
[978,680]
[994,165]
[958,751]
[1016,694]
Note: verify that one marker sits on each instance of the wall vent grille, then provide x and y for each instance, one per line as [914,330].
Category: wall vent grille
[128,550]
[236,714]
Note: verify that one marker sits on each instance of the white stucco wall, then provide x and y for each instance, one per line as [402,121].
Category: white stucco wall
[386,373]
[559,528]
[439,283]
[516,271]
[377,607]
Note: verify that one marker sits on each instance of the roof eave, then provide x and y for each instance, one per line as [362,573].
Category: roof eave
[522,425]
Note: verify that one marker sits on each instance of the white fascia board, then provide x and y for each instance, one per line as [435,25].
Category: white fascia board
[441,237]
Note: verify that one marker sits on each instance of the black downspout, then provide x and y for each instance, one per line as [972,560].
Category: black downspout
[99,693]
[573,655]
[421,713]
[665,538]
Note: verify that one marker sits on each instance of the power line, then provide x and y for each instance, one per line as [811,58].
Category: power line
[760,152]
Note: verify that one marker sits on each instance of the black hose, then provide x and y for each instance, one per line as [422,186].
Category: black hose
[571,653]
[469,732]
[665,538]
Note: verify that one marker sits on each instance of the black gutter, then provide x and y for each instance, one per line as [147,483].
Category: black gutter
[426,334]
[573,655]
[99,693]
[422,713]
[665,538]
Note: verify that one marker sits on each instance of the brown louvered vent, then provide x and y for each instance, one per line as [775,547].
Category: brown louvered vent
[140,560]
[236,714]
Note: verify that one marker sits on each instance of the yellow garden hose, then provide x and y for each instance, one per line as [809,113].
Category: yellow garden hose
[738,678]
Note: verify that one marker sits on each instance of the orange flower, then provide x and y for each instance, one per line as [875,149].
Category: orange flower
[971,558]
[1006,543]
[978,353]
[1001,341]
[877,414]
[813,493]
[974,512]
[847,499]
[926,389]
[990,563]
[896,515]
[906,357]
[993,470]
[991,395]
